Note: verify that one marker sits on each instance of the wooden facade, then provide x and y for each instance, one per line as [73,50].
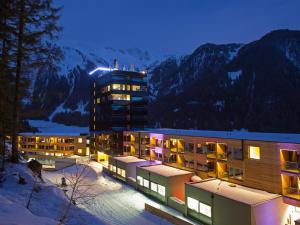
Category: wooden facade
[266,165]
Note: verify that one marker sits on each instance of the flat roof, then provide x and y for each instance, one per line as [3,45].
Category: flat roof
[238,193]
[53,134]
[166,171]
[240,135]
[129,159]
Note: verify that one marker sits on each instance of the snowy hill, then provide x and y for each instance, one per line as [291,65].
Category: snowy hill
[46,205]
[14,213]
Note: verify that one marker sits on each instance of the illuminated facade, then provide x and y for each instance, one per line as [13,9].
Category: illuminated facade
[46,147]
[269,162]
[119,104]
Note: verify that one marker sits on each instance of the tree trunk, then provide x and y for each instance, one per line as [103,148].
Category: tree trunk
[2,144]
[15,127]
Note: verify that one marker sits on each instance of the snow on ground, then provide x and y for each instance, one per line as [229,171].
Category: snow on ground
[51,127]
[46,206]
[115,202]
[12,213]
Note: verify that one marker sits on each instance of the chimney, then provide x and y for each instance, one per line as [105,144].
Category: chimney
[116,64]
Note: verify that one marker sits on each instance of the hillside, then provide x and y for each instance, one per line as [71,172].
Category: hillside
[254,86]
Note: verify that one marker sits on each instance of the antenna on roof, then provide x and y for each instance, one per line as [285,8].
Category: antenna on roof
[132,67]
[116,64]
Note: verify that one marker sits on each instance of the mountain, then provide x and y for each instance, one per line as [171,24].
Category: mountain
[254,86]
[224,87]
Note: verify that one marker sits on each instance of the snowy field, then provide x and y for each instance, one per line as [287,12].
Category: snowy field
[114,202]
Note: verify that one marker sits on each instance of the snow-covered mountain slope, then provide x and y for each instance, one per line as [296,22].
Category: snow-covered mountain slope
[176,73]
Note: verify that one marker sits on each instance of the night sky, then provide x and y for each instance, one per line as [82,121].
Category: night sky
[173,26]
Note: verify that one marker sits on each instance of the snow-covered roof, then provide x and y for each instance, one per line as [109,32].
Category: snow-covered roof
[240,135]
[235,192]
[48,128]
[129,159]
[52,134]
[166,171]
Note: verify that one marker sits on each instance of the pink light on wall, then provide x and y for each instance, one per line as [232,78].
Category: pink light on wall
[288,146]
[157,150]
[158,137]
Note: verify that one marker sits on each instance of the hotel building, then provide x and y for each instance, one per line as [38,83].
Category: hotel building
[47,147]
[119,104]
[265,161]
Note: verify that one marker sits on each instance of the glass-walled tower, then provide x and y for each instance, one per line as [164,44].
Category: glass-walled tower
[119,104]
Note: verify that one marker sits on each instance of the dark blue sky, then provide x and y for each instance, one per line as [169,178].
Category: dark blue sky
[173,26]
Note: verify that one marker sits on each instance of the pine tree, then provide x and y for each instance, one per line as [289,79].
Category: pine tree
[6,79]
[35,28]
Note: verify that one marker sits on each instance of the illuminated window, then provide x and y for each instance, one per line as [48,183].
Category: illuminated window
[193,204]
[139,180]
[136,87]
[205,209]
[98,100]
[123,97]
[121,87]
[132,138]
[106,89]
[119,171]
[123,173]
[161,190]
[79,140]
[254,152]
[114,169]
[154,187]
[80,151]
[146,183]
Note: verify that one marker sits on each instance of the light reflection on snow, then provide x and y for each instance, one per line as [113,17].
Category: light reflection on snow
[115,201]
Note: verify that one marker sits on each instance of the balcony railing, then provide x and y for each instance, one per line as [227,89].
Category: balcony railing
[292,192]
[222,156]
[211,154]
[291,166]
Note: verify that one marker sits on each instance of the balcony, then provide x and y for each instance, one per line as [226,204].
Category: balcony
[211,154]
[290,167]
[292,192]
[222,156]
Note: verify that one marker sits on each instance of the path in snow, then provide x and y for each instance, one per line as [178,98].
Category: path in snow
[116,202]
